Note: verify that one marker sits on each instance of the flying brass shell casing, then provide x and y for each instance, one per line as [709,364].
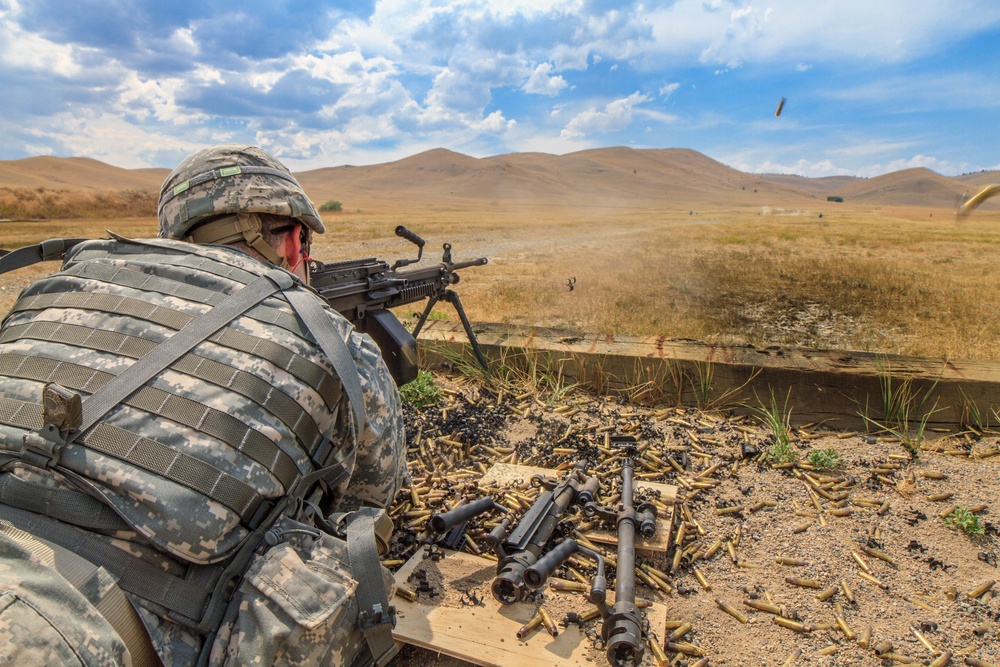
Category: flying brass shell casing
[760,605]
[550,625]
[791,625]
[794,562]
[942,660]
[826,593]
[866,637]
[923,640]
[731,610]
[529,627]
[978,591]
[804,583]
[680,632]
[654,646]
[796,654]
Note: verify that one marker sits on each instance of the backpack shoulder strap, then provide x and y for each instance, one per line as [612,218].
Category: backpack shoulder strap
[33,254]
[307,306]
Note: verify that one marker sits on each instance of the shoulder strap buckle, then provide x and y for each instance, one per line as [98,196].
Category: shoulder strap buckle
[369,619]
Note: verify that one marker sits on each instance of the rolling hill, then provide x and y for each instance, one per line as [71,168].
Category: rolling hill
[615,177]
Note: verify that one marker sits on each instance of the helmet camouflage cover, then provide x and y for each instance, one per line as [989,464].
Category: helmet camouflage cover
[230,179]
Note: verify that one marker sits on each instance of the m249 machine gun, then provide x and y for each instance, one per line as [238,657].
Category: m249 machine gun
[518,549]
[364,290]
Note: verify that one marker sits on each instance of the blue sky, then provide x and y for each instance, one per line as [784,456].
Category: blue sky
[872,86]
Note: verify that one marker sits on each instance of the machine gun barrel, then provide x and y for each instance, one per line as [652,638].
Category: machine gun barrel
[622,629]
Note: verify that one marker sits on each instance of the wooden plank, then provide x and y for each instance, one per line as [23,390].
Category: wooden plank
[509,475]
[486,634]
[835,387]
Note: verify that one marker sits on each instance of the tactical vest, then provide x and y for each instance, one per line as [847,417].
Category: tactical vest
[197,455]
[193,395]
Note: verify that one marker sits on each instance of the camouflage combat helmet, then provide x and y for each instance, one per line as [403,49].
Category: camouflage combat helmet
[228,185]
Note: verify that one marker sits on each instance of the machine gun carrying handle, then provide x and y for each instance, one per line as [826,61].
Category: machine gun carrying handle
[405,233]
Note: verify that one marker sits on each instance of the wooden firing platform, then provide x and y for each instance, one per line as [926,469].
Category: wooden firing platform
[486,634]
[505,474]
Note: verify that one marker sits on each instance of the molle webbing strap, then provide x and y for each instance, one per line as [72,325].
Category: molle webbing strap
[260,392]
[193,414]
[134,574]
[32,254]
[377,617]
[123,277]
[307,306]
[151,456]
[303,369]
[198,330]
[112,605]
[65,505]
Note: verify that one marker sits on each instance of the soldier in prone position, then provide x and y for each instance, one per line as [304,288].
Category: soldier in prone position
[214,498]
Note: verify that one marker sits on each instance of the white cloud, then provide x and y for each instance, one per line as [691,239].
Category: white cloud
[615,116]
[542,82]
[669,89]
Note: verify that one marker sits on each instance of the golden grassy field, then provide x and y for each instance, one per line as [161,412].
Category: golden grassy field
[894,280]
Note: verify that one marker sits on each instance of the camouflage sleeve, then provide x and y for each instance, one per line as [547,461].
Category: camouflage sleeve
[381,453]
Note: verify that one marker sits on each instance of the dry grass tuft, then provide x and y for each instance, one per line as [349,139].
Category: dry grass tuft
[41,203]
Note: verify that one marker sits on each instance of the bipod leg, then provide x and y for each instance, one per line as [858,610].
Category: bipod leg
[455,301]
[423,316]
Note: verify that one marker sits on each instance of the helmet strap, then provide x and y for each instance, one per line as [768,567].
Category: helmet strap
[244,227]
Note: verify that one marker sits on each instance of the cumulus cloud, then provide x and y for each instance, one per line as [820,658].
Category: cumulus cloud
[615,115]
[543,82]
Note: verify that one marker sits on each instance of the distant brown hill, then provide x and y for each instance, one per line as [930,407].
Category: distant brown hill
[609,178]
[76,173]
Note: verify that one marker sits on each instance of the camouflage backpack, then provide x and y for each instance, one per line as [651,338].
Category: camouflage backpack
[220,411]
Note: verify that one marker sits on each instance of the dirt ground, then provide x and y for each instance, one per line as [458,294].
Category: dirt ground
[870,531]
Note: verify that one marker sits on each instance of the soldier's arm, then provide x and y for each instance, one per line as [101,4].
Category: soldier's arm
[381,452]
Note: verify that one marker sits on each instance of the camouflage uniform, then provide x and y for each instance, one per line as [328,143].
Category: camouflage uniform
[296,604]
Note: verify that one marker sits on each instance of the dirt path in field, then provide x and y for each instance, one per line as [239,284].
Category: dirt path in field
[874,523]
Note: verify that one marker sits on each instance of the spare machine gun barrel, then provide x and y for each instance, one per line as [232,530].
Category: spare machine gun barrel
[622,630]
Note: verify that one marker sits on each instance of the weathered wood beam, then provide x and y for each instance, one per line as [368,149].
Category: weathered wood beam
[836,387]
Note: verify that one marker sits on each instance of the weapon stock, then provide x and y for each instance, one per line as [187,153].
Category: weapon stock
[364,290]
